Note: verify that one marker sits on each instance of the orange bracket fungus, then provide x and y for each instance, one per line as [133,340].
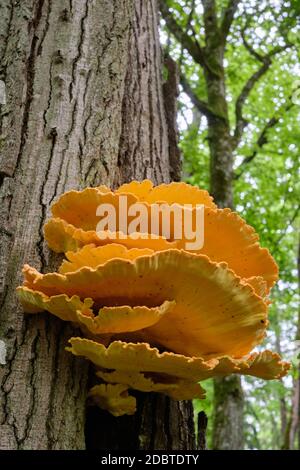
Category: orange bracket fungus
[154,315]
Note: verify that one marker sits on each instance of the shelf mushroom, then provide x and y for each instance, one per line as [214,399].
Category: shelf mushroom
[157,318]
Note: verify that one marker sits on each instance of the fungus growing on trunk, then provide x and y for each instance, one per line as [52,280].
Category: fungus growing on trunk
[156,317]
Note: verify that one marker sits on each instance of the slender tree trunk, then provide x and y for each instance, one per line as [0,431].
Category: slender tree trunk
[209,55]
[228,420]
[84,107]
[283,438]
[294,431]
[228,393]
[219,138]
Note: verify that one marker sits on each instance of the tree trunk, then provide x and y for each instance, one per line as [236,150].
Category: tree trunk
[294,431]
[84,107]
[228,393]
[228,420]
[283,438]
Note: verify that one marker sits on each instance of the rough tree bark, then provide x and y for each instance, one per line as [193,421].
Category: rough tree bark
[84,106]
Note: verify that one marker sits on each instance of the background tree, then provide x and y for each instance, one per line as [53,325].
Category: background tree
[84,106]
[295,424]
[238,66]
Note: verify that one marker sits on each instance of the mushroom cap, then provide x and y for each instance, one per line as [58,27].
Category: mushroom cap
[75,220]
[174,387]
[79,208]
[93,256]
[63,237]
[140,357]
[140,367]
[61,305]
[215,313]
[266,365]
[179,193]
[124,318]
[227,237]
[113,398]
[108,320]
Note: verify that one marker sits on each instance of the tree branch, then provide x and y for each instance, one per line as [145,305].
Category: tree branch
[191,45]
[202,106]
[191,14]
[210,15]
[262,139]
[241,122]
[249,48]
[227,18]
[290,222]
[266,61]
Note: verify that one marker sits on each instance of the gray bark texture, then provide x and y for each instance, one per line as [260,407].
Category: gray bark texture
[84,106]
